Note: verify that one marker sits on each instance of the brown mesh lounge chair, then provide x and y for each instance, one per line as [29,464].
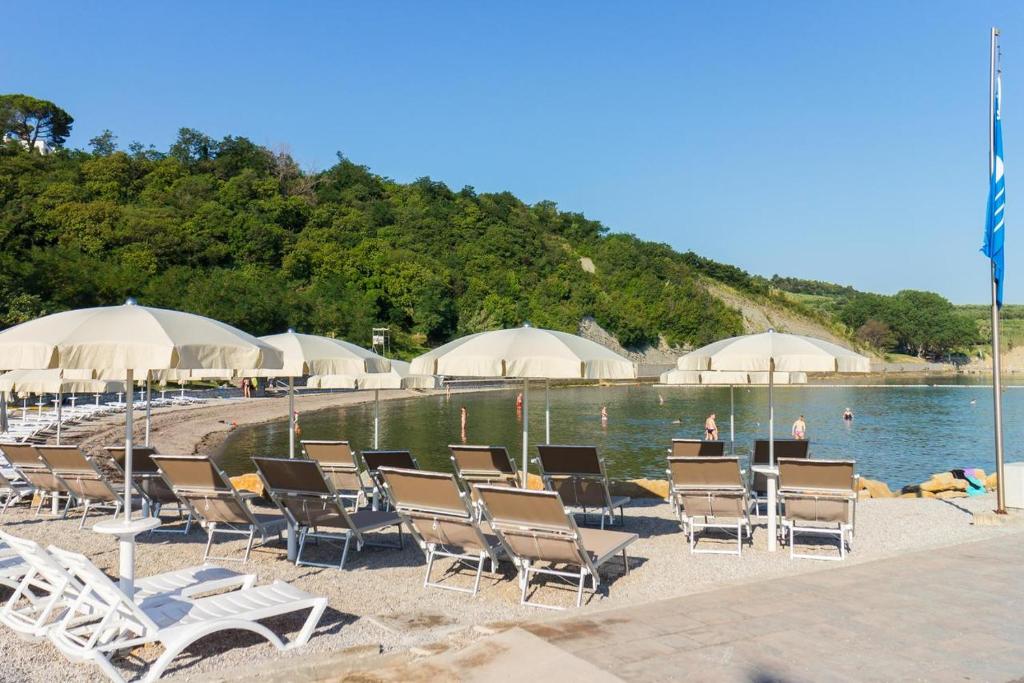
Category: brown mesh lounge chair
[819,497]
[784,448]
[533,527]
[25,459]
[373,460]
[692,448]
[577,474]
[338,461]
[708,493]
[484,465]
[442,519]
[213,499]
[301,489]
[82,477]
[150,484]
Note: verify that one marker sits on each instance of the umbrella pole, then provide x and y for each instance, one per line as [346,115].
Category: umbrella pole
[732,421]
[547,411]
[376,418]
[291,417]
[773,479]
[526,431]
[59,416]
[3,412]
[149,407]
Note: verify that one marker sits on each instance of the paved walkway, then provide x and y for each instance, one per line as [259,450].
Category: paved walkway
[949,614]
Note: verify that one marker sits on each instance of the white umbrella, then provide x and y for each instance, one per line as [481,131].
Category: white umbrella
[310,354]
[527,353]
[399,377]
[769,352]
[25,382]
[130,339]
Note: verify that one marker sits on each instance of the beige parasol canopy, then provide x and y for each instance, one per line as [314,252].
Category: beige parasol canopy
[310,354]
[527,353]
[774,351]
[131,337]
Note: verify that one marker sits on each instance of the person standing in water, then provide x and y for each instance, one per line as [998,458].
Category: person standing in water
[463,419]
[604,413]
[710,428]
[800,429]
[848,415]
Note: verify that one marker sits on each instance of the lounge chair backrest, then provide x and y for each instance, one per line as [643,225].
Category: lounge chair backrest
[484,464]
[425,491]
[533,524]
[829,475]
[301,490]
[78,472]
[104,595]
[201,484]
[330,453]
[576,473]
[784,448]
[374,460]
[142,458]
[579,460]
[23,455]
[705,472]
[709,486]
[434,508]
[691,448]
[26,459]
[817,490]
[338,462]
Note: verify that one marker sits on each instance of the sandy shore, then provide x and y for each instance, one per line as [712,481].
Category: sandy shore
[378,602]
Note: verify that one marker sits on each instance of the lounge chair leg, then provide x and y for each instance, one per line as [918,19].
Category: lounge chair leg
[302,544]
[42,497]
[209,540]
[524,581]
[7,502]
[344,552]
[85,513]
[625,561]
[479,570]
[67,507]
[430,566]
[579,590]
[248,547]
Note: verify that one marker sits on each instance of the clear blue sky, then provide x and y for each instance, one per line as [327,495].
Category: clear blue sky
[831,140]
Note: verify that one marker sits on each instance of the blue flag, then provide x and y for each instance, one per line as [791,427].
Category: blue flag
[995,221]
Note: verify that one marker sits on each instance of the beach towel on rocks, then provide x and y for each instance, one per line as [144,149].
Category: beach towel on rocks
[975,479]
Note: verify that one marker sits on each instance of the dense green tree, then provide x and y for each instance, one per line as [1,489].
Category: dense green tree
[30,119]
[103,144]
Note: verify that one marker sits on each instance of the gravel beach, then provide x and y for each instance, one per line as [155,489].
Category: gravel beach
[378,602]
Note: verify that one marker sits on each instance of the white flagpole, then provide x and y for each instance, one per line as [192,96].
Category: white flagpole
[997,397]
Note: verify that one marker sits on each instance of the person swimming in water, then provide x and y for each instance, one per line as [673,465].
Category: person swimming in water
[710,428]
[800,429]
[848,415]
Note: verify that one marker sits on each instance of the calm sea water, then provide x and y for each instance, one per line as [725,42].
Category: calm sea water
[900,434]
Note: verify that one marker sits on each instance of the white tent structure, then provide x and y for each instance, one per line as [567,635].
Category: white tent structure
[525,353]
[399,377]
[133,340]
[721,378]
[772,352]
[310,354]
[39,382]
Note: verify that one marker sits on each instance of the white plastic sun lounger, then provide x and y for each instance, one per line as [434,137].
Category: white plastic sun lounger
[46,587]
[103,621]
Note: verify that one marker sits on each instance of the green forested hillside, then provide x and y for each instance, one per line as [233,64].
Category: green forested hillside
[229,229]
